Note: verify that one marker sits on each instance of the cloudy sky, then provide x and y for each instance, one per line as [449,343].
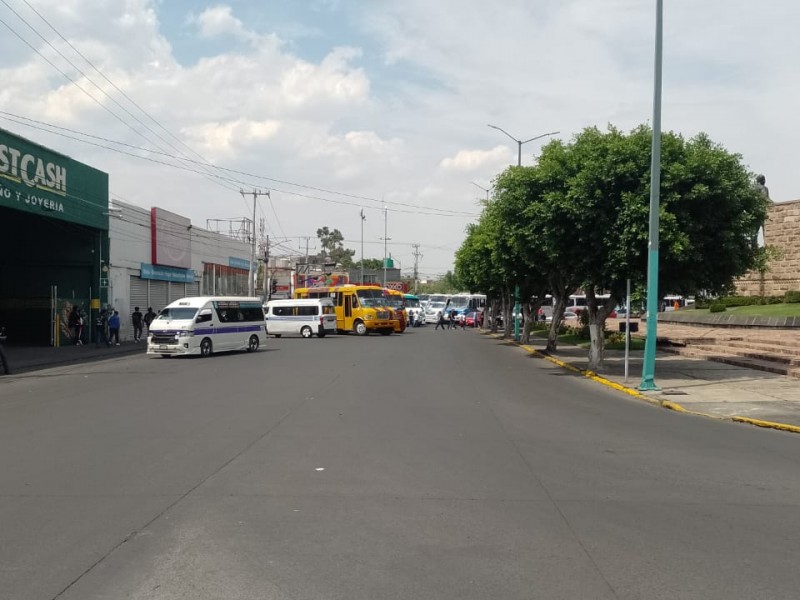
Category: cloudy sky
[335,105]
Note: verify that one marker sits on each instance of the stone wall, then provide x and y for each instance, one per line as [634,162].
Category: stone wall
[782,230]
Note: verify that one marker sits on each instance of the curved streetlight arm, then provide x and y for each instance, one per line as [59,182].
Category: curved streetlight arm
[504,131]
[541,136]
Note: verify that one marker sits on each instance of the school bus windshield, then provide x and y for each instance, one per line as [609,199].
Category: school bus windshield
[372,298]
[394,301]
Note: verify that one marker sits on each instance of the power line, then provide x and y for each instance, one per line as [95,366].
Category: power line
[89,79]
[26,121]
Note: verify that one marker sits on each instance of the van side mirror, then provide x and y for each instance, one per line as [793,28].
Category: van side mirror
[203,316]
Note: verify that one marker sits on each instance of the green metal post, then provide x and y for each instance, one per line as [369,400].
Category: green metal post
[516,313]
[649,364]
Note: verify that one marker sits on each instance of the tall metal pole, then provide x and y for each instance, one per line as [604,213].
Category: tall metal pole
[649,365]
[520,142]
[363,218]
[251,274]
[627,327]
[417,254]
[385,241]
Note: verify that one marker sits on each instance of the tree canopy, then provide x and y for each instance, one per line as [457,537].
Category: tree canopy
[579,219]
[333,248]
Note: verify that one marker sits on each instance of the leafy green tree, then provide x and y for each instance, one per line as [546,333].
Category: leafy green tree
[709,215]
[332,247]
[369,263]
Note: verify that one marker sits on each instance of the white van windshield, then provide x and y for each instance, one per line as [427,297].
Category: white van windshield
[177,313]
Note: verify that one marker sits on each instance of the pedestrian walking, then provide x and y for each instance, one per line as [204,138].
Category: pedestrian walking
[75,323]
[148,317]
[102,328]
[440,321]
[452,323]
[113,328]
[137,320]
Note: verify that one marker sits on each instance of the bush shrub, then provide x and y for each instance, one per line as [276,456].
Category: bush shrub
[717,307]
[734,301]
[792,297]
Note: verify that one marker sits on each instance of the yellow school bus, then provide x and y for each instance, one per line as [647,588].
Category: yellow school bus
[359,308]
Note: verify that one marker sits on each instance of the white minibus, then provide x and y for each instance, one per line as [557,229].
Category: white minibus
[301,316]
[207,324]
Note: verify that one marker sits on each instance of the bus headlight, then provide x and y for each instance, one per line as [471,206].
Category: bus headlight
[369,316]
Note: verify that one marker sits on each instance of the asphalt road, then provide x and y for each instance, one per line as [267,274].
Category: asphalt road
[424,465]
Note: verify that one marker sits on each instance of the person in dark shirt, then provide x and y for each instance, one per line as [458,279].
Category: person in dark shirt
[137,320]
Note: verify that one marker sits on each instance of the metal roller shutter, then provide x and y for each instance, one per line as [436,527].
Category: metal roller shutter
[159,294]
[176,291]
[139,296]
[193,289]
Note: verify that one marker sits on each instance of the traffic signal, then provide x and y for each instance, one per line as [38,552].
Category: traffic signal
[274,286]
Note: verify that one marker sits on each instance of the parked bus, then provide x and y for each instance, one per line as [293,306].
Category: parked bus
[414,308]
[207,324]
[464,304]
[359,308]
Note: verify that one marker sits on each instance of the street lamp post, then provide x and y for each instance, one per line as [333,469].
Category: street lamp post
[521,142]
[363,218]
[385,241]
[519,164]
[649,363]
[482,188]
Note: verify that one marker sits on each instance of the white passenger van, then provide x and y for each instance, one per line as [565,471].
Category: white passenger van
[207,324]
[301,317]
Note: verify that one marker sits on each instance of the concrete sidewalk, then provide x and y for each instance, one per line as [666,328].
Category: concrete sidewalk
[712,388]
[23,358]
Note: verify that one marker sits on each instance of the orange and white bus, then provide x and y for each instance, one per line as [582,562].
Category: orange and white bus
[359,308]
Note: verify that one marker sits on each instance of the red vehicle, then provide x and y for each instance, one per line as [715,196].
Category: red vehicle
[473,319]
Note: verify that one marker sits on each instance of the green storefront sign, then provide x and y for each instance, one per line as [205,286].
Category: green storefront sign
[37,180]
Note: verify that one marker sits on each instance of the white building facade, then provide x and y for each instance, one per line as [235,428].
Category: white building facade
[157,257]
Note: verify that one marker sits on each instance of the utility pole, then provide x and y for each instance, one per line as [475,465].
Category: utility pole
[251,279]
[363,218]
[417,256]
[385,242]
[307,238]
[267,285]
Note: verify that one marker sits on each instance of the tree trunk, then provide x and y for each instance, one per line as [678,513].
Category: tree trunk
[492,324]
[525,337]
[508,309]
[597,343]
[597,328]
[559,306]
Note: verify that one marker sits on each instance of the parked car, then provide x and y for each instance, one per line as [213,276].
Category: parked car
[473,316]
[569,315]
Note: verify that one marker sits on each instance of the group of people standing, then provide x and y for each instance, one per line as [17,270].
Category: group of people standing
[107,325]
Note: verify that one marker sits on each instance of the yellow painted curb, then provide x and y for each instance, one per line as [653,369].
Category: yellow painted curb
[668,404]
[678,408]
[767,424]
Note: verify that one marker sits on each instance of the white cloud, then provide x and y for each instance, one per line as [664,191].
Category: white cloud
[219,21]
[375,112]
[473,160]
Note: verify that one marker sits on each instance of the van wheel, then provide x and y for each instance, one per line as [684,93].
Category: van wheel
[359,328]
[252,345]
[206,348]
[306,332]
